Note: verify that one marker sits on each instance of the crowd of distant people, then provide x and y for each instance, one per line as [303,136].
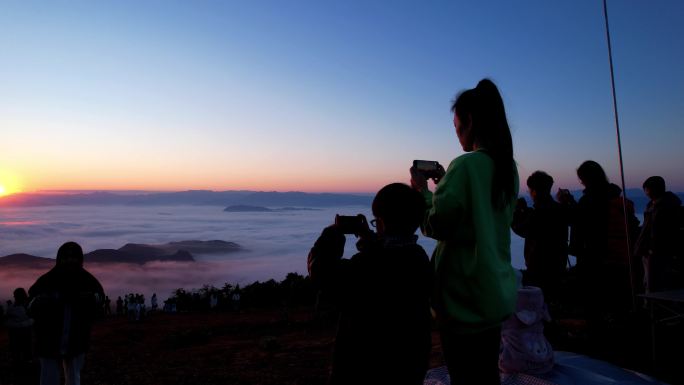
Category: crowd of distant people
[390,293]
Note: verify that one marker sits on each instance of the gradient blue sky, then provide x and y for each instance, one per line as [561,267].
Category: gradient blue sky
[326,96]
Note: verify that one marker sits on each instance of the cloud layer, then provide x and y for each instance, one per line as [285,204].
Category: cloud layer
[276,243]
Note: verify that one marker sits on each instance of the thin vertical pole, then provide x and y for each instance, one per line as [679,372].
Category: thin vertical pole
[619,143]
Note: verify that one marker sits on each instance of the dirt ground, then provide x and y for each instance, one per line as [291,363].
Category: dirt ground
[272,347]
[252,347]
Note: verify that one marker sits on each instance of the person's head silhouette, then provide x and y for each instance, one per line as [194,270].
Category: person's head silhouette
[70,255]
[539,184]
[20,296]
[591,175]
[398,210]
[654,187]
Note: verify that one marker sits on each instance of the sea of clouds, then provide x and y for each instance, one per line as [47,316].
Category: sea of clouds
[275,243]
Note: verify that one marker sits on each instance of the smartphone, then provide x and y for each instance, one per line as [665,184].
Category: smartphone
[349,224]
[429,168]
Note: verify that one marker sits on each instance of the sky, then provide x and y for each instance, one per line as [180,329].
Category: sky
[326,96]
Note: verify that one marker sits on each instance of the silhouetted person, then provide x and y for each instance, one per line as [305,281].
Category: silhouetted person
[545,229]
[130,307]
[382,293]
[19,330]
[119,306]
[235,298]
[470,215]
[65,302]
[107,306]
[154,302]
[659,241]
[139,307]
[598,239]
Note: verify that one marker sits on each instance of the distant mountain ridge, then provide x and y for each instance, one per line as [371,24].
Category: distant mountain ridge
[191,197]
[286,200]
[247,209]
[132,253]
[26,261]
[262,209]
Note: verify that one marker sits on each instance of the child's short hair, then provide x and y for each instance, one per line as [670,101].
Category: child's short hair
[400,207]
[540,182]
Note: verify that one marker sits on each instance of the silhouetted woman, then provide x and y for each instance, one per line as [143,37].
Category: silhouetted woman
[66,301]
[598,239]
[470,215]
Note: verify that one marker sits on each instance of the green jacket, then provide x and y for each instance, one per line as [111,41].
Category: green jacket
[475,284]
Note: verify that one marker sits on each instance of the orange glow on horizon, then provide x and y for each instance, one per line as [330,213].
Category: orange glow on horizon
[9,183]
[170,179]
[334,186]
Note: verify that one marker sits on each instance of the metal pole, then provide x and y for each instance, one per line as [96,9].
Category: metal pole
[619,143]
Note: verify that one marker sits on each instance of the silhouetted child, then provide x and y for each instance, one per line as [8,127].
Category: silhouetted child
[382,293]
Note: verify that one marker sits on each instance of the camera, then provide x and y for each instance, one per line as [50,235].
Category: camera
[429,168]
[350,224]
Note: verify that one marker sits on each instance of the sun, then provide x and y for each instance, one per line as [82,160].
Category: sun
[9,183]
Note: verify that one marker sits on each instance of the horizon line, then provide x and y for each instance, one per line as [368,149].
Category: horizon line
[137,191]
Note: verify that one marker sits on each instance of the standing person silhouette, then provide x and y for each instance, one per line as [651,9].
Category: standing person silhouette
[659,240]
[19,330]
[65,302]
[545,229]
[599,241]
[119,306]
[470,215]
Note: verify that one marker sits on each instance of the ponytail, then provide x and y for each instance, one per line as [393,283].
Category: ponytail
[484,105]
